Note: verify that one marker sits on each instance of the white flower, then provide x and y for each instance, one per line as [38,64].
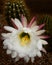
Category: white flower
[25,40]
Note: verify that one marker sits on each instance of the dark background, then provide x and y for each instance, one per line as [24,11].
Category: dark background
[40,6]
[36,6]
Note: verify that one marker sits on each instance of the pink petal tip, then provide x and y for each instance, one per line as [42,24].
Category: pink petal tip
[32,20]
[41,26]
[44,37]
[12,21]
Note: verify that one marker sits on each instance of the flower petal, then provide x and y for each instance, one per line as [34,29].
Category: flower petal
[26,58]
[41,26]
[35,28]
[17,23]
[40,32]
[33,20]
[39,54]
[39,45]
[24,21]
[43,37]
[17,58]
[8,28]
[14,25]
[6,35]
[33,24]
[8,51]
[43,42]
[43,50]
[32,59]
[14,54]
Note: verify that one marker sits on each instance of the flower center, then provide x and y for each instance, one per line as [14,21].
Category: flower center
[24,38]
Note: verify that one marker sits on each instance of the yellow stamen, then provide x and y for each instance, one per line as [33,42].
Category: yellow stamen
[25,40]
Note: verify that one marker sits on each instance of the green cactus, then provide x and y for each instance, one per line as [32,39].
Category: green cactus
[48,23]
[14,10]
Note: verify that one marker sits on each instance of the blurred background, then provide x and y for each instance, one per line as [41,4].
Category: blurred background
[36,6]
